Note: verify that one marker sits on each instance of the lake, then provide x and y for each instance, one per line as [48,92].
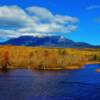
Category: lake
[22,84]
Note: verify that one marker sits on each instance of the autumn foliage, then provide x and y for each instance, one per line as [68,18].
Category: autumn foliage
[46,58]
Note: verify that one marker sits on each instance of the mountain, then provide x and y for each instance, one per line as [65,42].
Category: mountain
[48,41]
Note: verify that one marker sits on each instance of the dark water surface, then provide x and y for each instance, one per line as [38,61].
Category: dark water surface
[83,84]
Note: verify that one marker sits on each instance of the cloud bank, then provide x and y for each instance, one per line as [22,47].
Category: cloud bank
[36,21]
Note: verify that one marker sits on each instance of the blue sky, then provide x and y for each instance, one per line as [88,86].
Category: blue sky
[78,20]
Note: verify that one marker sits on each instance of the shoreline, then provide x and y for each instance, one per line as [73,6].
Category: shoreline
[72,67]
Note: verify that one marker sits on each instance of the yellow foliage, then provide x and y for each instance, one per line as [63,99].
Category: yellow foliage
[46,58]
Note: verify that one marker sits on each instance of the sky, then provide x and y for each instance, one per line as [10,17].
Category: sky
[78,20]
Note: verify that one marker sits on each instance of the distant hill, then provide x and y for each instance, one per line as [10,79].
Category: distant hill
[47,41]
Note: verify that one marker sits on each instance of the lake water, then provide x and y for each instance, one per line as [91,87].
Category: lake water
[83,84]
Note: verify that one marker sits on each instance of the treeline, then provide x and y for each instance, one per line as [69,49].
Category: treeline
[45,58]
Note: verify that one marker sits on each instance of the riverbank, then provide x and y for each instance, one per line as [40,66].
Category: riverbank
[55,69]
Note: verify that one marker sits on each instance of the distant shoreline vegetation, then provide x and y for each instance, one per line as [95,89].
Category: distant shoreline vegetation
[42,58]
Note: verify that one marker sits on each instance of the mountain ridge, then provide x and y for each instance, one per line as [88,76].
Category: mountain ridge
[47,41]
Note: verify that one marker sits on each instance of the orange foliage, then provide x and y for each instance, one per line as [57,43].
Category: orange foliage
[46,58]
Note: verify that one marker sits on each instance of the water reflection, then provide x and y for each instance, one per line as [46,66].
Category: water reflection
[83,84]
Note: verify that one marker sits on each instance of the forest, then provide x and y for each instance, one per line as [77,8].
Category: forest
[43,58]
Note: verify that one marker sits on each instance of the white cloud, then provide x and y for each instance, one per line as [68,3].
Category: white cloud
[92,7]
[65,19]
[40,12]
[9,33]
[15,22]
[14,16]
